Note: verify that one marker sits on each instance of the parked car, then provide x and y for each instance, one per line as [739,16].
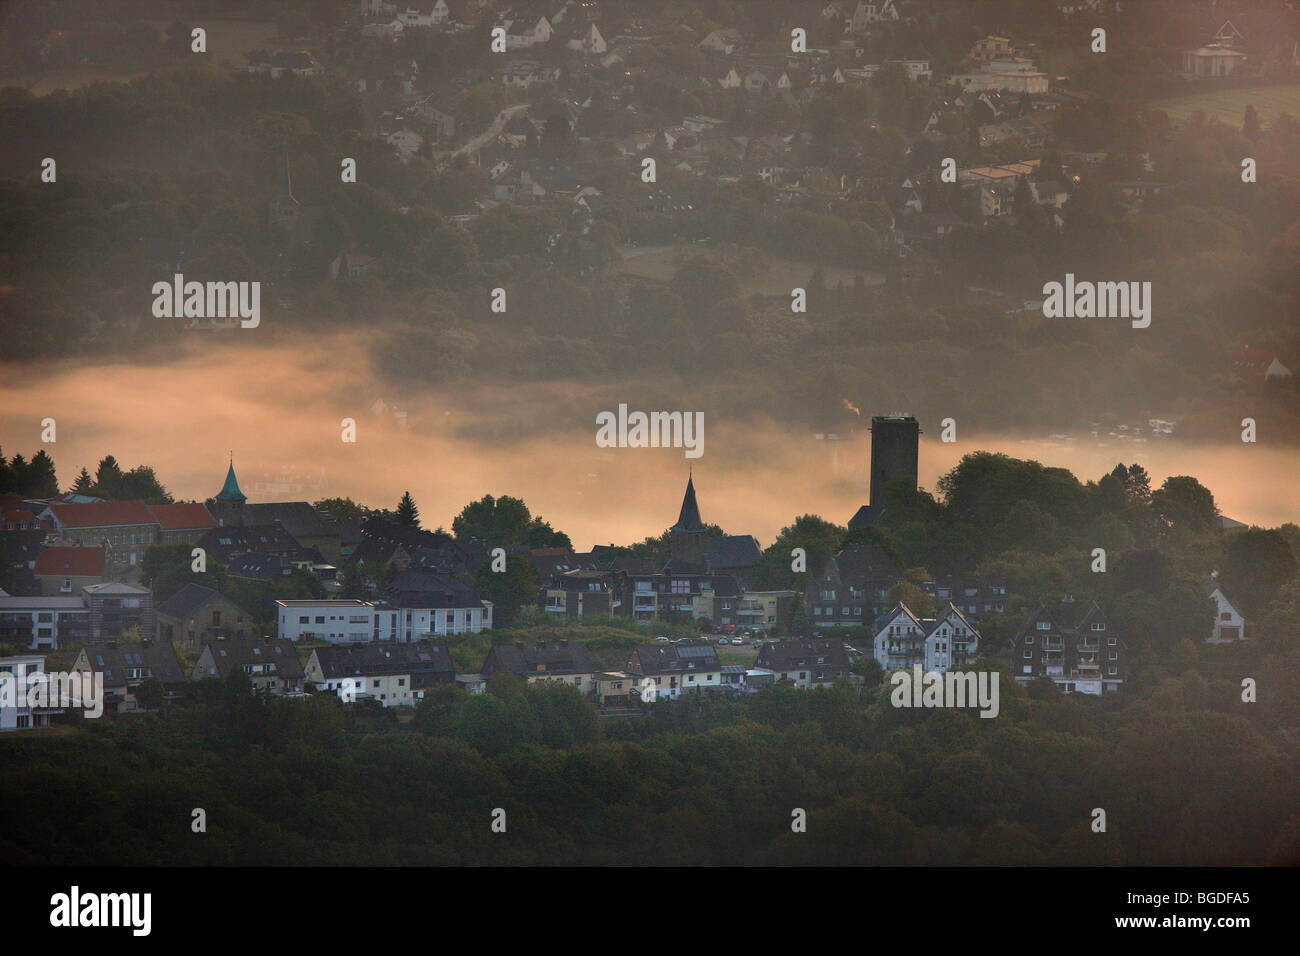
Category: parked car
[722,640]
[736,640]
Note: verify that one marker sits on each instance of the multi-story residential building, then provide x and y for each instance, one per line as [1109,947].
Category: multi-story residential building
[395,675]
[341,621]
[805,663]
[100,612]
[16,712]
[1071,644]
[972,597]
[117,609]
[66,570]
[183,523]
[763,610]
[408,615]
[677,668]
[126,666]
[564,662]
[128,526]
[941,643]
[44,623]
[196,615]
[583,593]
[683,595]
[853,589]
[271,664]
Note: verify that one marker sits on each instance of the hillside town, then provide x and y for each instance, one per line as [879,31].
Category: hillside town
[77,566]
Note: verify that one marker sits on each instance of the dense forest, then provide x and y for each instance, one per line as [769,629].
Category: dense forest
[1186,772]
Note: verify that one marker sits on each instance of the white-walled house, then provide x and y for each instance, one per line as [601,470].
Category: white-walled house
[346,621]
[1229,623]
[394,675]
[16,713]
[904,639]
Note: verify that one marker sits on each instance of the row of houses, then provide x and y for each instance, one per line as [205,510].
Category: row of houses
[1069,643]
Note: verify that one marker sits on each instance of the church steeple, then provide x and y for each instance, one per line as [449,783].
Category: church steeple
[228,504]
[230,491]
[689,519]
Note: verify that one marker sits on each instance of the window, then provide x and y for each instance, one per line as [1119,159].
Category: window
[303,620]
[216,618]
[320,619]
[1044,625]
[1099,626]
[1028,654]
[1225,616]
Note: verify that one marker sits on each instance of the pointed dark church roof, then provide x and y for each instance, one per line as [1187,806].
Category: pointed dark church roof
[689,519]
[230,491]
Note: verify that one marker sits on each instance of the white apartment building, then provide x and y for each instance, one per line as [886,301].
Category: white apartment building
[346,621]
[904,640]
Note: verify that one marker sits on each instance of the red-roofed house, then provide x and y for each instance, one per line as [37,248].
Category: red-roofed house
[182,523]
[20,519]
[66,570]
[128,526]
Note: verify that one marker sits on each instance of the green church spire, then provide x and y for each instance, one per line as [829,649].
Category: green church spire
[230,491]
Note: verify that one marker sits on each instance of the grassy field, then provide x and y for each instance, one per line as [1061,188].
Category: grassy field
[757,271]
[1229,106]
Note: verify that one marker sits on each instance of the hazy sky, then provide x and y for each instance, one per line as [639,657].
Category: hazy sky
[277,406]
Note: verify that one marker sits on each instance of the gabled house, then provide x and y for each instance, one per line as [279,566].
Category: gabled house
[805,663]
[564,662]
[271,664]
[941,643]
[196,615]
[725,41]
[124,667]
[394,675]
[1072,644]
[676,669]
